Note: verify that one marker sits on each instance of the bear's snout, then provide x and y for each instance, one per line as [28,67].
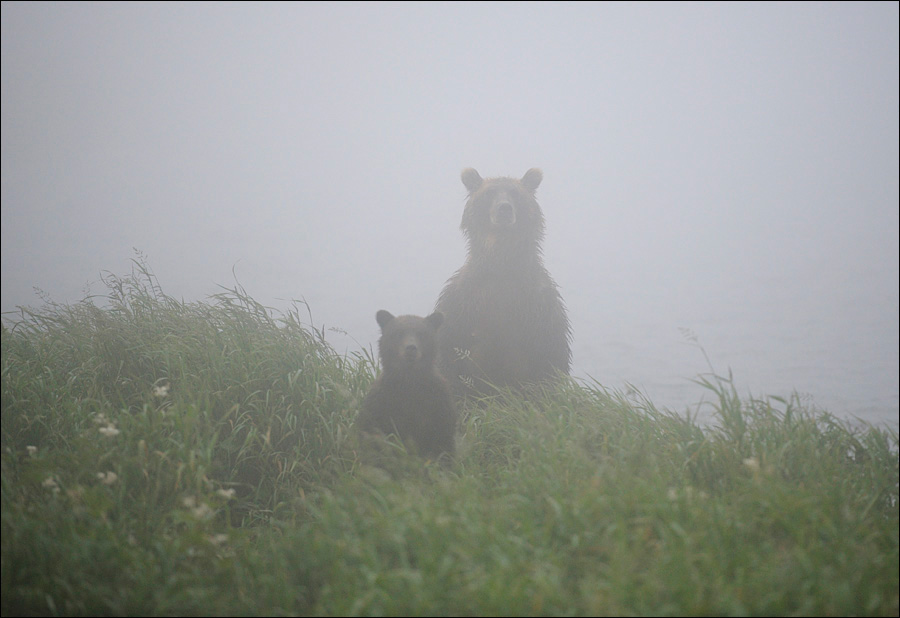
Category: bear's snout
[410,348]
[503,214]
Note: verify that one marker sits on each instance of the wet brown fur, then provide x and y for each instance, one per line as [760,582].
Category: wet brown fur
[410,398]
[505,322]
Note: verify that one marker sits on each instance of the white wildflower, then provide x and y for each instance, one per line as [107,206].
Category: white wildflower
[109,431]
[51,484]
[218,539]
[228,494]
[688,493]
[199,509]
[202,511]
[161,391]
[32,450]
[107,478]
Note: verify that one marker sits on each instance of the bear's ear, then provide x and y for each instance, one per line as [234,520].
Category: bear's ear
[471,179]
[435,320]
[384,318]
[532,179]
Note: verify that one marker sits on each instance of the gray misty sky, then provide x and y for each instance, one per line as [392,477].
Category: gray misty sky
[730,169]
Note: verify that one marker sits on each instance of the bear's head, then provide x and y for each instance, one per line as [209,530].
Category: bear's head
[408,342]
[502,214]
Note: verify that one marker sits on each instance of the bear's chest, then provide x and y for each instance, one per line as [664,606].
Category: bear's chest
[498,297]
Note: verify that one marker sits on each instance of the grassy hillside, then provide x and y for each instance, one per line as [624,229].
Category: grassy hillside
[169,458]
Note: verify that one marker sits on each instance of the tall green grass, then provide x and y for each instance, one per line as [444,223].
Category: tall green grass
[171,458]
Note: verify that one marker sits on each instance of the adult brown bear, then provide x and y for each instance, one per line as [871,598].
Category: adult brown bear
[505,324]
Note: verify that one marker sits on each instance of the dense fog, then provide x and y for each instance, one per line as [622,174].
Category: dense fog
[718,178]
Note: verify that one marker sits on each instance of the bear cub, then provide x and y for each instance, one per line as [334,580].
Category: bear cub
[410,398]
[505,322]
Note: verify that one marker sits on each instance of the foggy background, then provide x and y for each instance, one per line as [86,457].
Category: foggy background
[715,174]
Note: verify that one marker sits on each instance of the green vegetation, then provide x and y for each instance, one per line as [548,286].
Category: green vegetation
[170,458]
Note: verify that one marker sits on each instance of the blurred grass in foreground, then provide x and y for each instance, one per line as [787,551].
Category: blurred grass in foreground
[170,458]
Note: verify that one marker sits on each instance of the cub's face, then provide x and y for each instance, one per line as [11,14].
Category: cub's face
[407,342]
[502,208]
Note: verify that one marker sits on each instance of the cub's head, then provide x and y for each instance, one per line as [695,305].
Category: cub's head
[502,213]
[408,342]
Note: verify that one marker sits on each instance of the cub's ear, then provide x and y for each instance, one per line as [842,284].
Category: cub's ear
[435,320]
[384,318]
[532,179]
[472,179]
